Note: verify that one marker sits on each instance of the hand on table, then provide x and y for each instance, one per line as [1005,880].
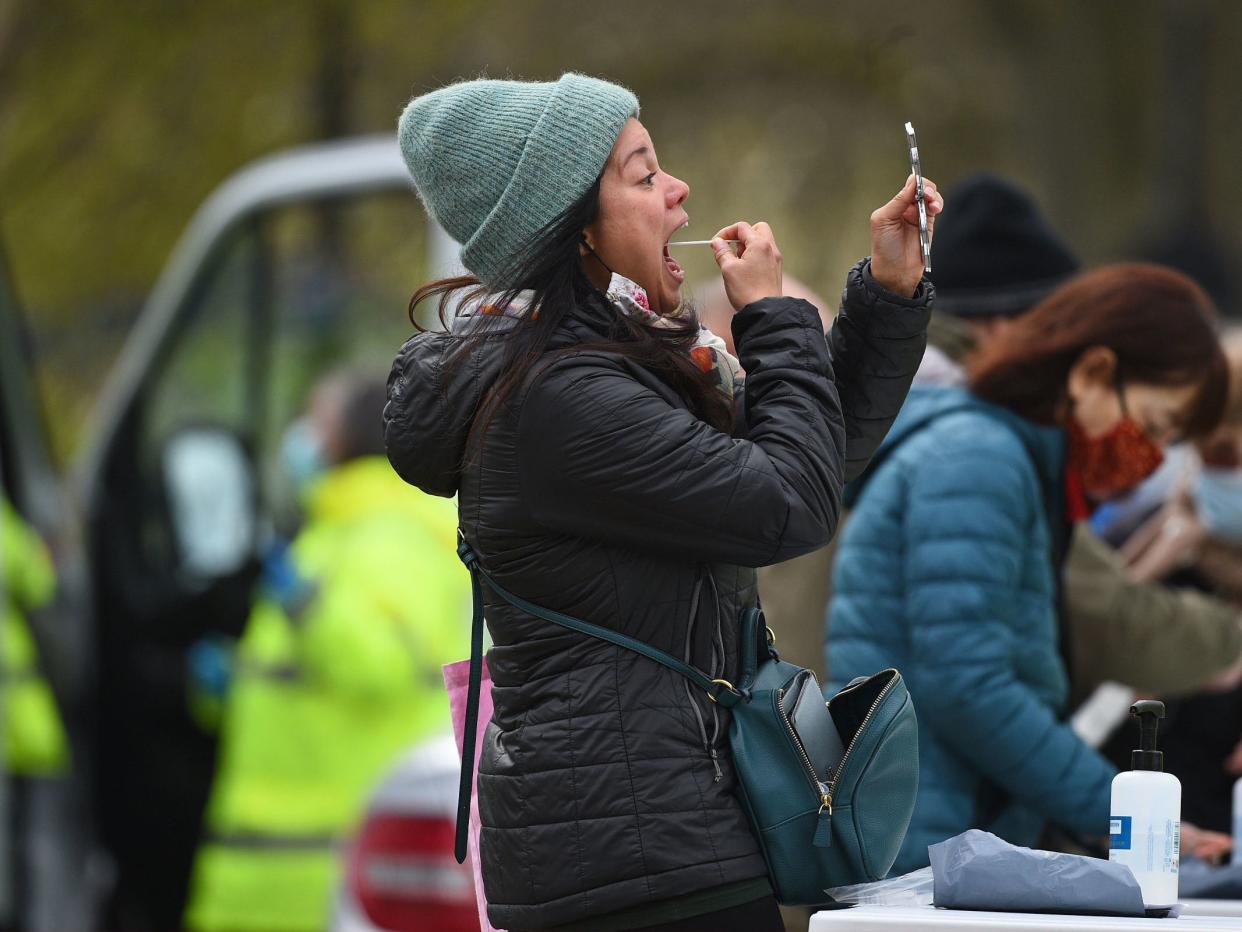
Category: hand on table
[1168,542]
[1233,763]
[1205,845]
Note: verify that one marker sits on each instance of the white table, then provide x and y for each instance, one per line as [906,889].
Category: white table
[929,919]
[1212,908]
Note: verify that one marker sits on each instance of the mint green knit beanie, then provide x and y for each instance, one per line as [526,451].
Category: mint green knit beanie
[496,161]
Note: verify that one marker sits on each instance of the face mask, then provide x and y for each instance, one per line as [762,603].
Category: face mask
[1218,502]
[621,288]
[709,351]
[301,453]
[1115,462]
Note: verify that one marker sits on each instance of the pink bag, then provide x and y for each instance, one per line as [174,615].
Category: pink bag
[456,680]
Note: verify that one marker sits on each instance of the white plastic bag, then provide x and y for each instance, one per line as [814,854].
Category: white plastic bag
[913,889]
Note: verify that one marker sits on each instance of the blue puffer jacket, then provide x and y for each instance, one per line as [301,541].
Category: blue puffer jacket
[945,572]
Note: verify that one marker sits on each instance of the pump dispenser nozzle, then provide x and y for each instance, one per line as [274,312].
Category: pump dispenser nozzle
[1146,757]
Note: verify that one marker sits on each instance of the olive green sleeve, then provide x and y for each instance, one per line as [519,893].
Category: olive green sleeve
[1154,638]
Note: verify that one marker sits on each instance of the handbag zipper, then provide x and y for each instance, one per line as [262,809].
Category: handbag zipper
[861,728]
[823,834]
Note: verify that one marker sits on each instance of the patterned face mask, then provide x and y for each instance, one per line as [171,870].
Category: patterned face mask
[1114,463]
[709,352]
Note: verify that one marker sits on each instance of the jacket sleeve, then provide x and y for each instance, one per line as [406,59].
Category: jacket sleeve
[969,513]
[1155,638]
[877,343]
[606,457]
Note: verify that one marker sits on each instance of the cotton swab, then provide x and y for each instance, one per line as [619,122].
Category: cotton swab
[702,242]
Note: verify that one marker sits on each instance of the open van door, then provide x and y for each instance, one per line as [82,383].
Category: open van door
[299,264]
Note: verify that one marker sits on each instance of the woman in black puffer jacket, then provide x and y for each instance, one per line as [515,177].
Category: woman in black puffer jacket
[609,465]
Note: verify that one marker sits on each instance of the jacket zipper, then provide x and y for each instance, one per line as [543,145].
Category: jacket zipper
[823,833]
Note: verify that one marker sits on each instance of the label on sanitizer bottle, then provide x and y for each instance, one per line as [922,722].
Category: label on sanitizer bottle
[1119,833]
[1173,847]
[1158,851]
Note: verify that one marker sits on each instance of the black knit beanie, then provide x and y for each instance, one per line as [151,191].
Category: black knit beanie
[994,254]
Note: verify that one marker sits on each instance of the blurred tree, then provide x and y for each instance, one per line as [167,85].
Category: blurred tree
[334,83]
[1180,229]
[117,119]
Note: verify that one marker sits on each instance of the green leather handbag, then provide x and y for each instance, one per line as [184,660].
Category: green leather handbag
[817,829]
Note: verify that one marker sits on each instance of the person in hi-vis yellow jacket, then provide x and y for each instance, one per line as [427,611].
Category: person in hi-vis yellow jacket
[34,736]
[337,672]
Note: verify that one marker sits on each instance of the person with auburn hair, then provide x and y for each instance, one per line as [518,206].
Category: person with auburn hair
[949,566]
[996,258]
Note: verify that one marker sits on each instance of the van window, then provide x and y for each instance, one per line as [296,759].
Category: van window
[342,276]
[212,378]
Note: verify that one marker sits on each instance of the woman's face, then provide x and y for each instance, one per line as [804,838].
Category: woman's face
[639,211]
[1098,405]
[1223,449]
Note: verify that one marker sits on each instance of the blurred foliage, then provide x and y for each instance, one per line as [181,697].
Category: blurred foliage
[117,119]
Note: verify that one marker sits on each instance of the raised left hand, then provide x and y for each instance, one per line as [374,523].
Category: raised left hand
[896,254]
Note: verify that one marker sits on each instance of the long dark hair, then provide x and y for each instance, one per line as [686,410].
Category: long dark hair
[551,269]
[1158,322]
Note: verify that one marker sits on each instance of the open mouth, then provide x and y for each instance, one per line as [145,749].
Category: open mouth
[671,265]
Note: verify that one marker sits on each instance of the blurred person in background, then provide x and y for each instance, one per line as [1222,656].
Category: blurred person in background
[337,672]
[1199,528]
[1194,538]
[35,744]
[995,257]
[948,568]
[34,737]
[602,474]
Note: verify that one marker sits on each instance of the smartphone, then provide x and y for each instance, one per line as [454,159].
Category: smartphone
[808,713]
[917,170]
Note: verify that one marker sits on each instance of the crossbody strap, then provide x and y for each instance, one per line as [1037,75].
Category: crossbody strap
[474,684]
[717,690]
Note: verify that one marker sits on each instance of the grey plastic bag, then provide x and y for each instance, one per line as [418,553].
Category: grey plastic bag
[977,870]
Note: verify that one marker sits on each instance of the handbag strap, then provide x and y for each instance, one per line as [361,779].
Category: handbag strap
[473,687]
[718,690]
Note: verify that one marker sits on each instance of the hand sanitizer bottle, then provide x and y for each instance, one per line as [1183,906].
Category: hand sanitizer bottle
[1146,823]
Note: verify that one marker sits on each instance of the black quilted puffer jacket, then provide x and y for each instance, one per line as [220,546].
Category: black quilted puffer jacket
[605,782]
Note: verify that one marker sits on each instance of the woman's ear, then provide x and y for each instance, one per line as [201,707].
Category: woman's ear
[1095,372]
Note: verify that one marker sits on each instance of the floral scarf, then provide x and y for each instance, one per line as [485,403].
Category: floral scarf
[709,352]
